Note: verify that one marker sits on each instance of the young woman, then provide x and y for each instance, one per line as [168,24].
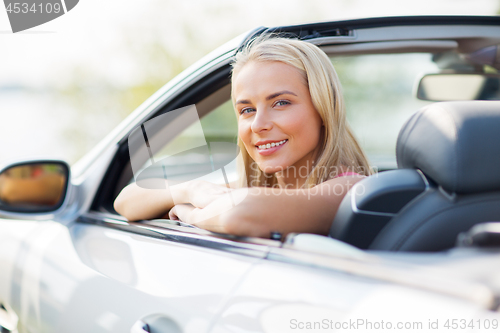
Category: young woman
[299,155]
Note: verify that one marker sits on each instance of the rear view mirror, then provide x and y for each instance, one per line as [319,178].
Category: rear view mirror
[33,187]
[459,87]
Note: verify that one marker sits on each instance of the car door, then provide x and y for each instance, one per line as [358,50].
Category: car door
[91,277]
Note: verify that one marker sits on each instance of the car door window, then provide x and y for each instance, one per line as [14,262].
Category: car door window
[218,125]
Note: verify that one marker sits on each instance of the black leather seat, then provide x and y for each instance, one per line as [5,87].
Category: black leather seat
[448,180]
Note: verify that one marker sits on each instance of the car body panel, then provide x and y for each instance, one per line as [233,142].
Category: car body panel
[60,271]
[263,303]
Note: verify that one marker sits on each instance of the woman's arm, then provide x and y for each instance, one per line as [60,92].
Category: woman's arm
[139,203]
[265,210]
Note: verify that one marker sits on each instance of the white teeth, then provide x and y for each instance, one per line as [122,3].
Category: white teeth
[271,145]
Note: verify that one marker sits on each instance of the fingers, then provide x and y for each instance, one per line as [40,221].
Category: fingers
[172,215]
[181,212]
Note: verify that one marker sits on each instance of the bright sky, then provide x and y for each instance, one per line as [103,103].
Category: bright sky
[94,29]
[92,36]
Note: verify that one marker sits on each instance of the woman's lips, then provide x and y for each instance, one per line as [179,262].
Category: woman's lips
[269,151]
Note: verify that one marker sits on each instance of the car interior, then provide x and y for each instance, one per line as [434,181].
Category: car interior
[437,167]
[447,182]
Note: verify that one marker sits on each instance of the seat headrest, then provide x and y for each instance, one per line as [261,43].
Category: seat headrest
[457,144]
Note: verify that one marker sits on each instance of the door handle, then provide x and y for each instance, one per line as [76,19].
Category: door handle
[156,323]
[8,319]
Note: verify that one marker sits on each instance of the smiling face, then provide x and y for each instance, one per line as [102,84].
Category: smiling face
[277,121]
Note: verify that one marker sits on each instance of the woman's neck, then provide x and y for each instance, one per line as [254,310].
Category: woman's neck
[289,182]
[295,176]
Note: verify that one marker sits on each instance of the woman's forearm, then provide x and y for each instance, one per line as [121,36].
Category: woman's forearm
[266,210]
[234,214]
[138,203]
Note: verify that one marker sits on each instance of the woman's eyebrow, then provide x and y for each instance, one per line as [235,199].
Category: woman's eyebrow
[284,92]
[243,101]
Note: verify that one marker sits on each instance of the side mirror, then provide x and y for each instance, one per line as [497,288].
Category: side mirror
[459,87]
[33,186]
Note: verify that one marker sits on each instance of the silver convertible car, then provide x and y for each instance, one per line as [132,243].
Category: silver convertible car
[415,247]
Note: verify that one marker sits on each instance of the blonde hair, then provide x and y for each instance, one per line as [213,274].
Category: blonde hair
[339,151]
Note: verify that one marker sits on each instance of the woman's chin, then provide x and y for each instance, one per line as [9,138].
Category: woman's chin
[271,168]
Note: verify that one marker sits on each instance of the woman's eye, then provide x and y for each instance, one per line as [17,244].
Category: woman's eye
[281,103]
[246,110]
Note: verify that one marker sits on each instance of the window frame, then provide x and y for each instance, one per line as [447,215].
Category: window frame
[120,163]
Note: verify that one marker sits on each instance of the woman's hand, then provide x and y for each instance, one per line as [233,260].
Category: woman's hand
[148,202]
[219,203]
[214,215]
[181,212]
[205,201]
[203,193]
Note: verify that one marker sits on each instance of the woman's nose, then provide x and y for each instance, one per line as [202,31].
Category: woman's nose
[262,121]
